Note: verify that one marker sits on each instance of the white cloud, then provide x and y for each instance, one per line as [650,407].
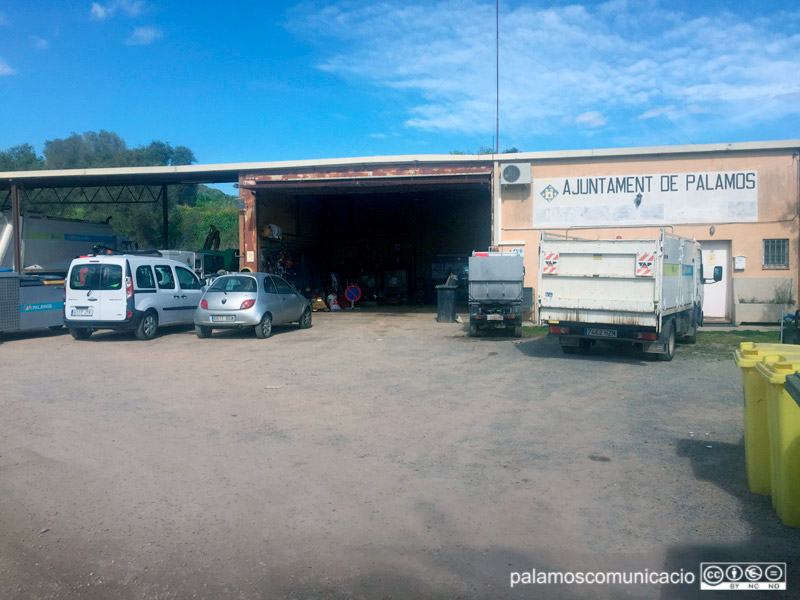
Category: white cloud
[98,11]
[144,36]
[5,69]
[657,112]
[377,136]
[619,59]
[132,8]
[40,43]
[591,118]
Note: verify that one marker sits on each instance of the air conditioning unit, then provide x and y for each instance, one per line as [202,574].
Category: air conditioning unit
[515,173]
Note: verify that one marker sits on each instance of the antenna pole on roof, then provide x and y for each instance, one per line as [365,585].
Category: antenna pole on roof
[497,77]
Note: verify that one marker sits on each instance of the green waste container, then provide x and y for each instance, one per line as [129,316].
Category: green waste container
[756,428]
[783,418]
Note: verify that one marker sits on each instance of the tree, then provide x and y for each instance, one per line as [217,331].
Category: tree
[20,158]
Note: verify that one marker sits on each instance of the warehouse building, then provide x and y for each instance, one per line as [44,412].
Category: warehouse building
[398,225]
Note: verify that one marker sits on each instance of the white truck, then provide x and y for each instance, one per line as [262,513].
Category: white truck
[647,292]
[49,244]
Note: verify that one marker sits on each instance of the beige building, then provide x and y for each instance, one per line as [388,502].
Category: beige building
[739,200]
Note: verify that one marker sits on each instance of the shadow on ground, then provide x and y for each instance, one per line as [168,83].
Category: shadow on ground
[723,465]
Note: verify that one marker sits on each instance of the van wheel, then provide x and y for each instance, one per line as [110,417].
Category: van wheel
[264,328]
[669,337]
[305,320]
[518,331]
[148,326]
[202,332]
[80,333]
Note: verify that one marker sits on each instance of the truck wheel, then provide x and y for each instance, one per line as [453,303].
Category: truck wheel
[80,333]
[473,331]
[518,331]
[669,337]
[147,327]
[202,331]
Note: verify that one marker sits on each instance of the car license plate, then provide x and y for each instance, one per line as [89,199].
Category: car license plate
[222,318]
[600,332]
[494,317]
[82,312]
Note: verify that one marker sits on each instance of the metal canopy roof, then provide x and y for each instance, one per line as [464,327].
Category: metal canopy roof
[229,172]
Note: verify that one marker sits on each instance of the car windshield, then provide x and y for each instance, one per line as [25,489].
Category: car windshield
[237,283]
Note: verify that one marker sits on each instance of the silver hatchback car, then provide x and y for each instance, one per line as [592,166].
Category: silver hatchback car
[250,300]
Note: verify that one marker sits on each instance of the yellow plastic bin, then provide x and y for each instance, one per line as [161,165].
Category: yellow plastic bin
[788,441]
[756,429]
[783,419]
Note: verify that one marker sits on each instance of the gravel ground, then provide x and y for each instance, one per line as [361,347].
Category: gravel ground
[376,455]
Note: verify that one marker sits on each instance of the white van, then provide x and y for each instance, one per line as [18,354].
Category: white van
[128,292]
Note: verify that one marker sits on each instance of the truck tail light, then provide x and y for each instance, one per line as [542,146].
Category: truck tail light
[247,304]
[559,330]
[203,303]
[128,288]
[644,335]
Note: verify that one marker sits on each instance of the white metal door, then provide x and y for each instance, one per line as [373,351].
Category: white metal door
[716,296]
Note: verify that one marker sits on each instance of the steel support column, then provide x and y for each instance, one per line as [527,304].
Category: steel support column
[165,218]
[16,224]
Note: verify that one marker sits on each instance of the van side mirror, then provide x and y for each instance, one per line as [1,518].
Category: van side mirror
[717,274]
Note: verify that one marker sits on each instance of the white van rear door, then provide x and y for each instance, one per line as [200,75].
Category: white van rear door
[113,301]
[82,293]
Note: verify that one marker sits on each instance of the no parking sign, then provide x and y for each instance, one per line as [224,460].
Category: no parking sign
[353,294]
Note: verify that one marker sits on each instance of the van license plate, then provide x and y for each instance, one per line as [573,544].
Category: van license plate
[494,317]
[600,332]
[222,318]
[82,312]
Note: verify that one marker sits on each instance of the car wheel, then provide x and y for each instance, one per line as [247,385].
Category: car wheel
[670,342]
[473,331]
[518,331]
[202,332]
[80,333]
[568,349]
[148,326]
[305,320]
[264,328]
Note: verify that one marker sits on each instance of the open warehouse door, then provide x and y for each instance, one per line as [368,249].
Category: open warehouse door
[395,235]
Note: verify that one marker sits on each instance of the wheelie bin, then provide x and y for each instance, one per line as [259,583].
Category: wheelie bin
[783,419]
[756,428]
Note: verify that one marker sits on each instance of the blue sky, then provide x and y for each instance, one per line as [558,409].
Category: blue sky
[242,81]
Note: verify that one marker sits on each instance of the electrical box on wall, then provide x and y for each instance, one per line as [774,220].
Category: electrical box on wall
[515,173]
[739,263]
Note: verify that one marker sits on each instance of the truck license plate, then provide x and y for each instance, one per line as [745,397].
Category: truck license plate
[82,312]
[600,332]
[494,317]
[221,318]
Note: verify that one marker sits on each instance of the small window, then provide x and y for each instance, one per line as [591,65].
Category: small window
[269,285]
[776,254]
[283,287]
[96,277]
[186,279]
[164,277]
[144,278]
